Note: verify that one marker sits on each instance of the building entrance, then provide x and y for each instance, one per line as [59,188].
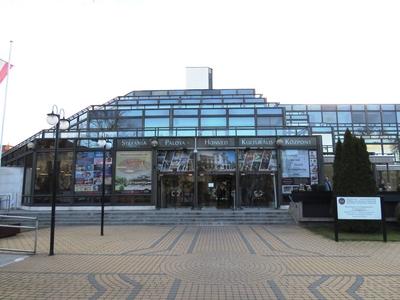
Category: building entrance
[257,190]
[177,191]
[216,190]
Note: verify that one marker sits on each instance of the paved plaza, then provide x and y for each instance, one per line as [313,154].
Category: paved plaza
[200,262]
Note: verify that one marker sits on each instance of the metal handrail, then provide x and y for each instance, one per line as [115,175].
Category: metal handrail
[36,228]
[8,199]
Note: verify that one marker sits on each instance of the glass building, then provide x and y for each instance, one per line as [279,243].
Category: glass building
[378,124]
[223,148]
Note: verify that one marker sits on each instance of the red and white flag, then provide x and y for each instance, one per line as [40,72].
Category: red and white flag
[3,69]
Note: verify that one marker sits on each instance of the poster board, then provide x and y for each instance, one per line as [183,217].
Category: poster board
[299,167]
[89,171]
[357,209]
[133,172]
[257,160]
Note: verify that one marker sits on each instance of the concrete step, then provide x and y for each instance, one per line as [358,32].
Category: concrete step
[167,216]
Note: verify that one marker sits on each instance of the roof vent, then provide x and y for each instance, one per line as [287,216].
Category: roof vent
[199,78]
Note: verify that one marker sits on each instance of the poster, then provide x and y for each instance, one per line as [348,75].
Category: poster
[89,171]
[295,163]
[133,172]
[257,160]
[313,167]
[175,161]
[217,161]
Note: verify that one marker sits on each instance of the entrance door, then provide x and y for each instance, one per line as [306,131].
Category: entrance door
[257,190]
[177,191]
[216,190]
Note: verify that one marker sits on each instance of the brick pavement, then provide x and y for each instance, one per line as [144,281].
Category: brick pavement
[200,262]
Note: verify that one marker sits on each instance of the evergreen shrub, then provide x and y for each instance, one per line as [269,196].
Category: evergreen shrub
[353,177]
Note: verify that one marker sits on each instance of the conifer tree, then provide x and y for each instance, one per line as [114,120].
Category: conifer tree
[347,184]
[352,168]
[353,176]
[366,185]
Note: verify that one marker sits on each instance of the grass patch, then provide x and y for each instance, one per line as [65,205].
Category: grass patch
[393,233]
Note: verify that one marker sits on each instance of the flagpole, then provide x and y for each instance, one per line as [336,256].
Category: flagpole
[5,101]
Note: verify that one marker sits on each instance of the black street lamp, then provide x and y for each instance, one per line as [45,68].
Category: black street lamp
[55,118]
[279,144]
[106,145]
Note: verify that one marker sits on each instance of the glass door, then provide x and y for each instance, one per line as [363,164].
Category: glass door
[216,190]
[257,190]
[177,190]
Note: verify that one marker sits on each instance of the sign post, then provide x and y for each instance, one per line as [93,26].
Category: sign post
[336,223]
[357,209]
[383,221]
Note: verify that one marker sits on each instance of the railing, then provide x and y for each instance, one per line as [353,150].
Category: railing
[232,131]
[36,228]
[5,202]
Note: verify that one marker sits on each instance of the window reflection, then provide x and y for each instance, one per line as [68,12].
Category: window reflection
[374,117]
[257,190]
[241,121]
[245,111]
[28,175]
[44,172]
[269,121]
[159,112]
[269,111]
[315,117]
[358,117]
[156,122]
[130,123]
[329,117]
[186,122]
[213,111]
[388,117]
[103,124]
[344,117]
[213,122]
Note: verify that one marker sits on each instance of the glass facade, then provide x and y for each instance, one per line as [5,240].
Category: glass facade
[378,124]
[141,170]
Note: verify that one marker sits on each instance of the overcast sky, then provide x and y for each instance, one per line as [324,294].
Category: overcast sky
[75,53]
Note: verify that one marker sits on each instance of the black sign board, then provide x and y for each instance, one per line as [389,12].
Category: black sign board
[215,142]
[176,143]
[134,143]
[257,142]
[299,142]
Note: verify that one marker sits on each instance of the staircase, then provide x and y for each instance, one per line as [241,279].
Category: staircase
[162,217]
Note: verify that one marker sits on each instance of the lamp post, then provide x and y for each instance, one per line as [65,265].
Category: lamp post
[106,145]
[154,174]
[279,143]
[55,118]
[195,190]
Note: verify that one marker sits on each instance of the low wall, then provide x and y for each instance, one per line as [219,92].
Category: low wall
[316,206]
[11,182]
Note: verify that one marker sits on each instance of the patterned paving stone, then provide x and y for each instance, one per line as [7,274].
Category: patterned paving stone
[223,268]
[200,262]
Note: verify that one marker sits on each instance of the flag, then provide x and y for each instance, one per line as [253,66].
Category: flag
[3,69]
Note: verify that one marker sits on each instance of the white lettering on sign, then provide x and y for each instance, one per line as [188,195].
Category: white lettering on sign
[359,208]
[133,143]
[174,143]
[297,142]
[216,142]
[256,142]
